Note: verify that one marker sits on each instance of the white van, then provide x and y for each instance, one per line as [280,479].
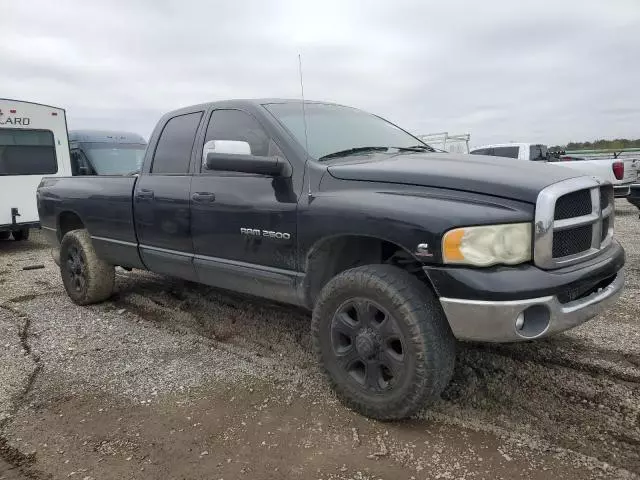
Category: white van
[33,144]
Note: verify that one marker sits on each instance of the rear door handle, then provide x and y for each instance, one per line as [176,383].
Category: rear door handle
[203,197]
[144,194]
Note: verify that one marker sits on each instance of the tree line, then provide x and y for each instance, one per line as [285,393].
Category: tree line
[615,144]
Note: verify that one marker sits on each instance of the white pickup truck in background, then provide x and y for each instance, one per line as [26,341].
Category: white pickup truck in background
[621,172]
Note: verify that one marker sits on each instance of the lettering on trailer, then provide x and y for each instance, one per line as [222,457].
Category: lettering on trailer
[256,232]
[22,121]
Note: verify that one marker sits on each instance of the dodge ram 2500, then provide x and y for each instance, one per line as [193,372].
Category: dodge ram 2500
[396,249]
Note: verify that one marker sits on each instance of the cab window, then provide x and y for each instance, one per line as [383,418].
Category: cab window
[173,152]
[508,152]
[239,126]
[538,152]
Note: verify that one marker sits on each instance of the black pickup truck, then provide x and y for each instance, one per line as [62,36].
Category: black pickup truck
[396,249]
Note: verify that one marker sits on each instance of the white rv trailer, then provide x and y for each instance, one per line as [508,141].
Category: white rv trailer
[33,144]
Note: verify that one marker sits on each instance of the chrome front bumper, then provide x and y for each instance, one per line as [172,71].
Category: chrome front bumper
[488,321]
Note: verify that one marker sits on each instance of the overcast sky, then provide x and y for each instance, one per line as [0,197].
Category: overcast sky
[502,70]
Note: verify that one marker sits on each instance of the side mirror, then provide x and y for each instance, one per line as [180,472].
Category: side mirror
[226,146]
[235,156]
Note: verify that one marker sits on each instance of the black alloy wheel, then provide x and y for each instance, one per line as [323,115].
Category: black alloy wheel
[76,267]
[368,344]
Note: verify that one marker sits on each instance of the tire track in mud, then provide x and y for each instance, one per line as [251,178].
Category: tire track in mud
[240,326]
[17,459]
[581,410]
[267,328]
[563,390]
[557,352]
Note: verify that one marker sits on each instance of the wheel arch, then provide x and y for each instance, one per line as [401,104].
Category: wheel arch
[68,220]
[332,255]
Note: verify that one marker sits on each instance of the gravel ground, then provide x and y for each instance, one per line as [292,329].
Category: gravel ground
[170,379]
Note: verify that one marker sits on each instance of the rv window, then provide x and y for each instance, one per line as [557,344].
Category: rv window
[27,152]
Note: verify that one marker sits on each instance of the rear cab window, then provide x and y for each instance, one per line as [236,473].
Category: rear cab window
[27,152]
[538,152]
[507,152]
[173,151]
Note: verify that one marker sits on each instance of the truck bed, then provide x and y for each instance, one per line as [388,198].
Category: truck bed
[105,205]
[602,167]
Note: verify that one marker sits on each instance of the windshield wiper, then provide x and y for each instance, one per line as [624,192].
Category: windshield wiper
[418,148]
[353,151]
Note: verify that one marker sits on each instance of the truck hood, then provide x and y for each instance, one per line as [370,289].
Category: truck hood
[496,176]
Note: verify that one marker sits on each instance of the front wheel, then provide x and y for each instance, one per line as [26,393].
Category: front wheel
[4,235]
[86,277]
[383,341]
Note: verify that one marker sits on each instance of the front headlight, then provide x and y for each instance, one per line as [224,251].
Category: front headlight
[487,245]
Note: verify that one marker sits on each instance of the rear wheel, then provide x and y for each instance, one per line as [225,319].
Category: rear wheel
[4,235]
[383,341]
[22,234]
[86,278]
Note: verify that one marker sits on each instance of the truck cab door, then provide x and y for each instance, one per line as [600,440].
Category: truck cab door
[243,224]
[162,197]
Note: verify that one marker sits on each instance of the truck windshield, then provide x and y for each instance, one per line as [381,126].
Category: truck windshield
[114,158]
[335,128]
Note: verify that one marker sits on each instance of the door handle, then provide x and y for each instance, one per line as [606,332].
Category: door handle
[144,194]
[203,197]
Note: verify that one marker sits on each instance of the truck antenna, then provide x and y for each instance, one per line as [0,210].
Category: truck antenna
[304,121]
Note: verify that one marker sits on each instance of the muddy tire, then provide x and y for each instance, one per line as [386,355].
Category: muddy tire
[55,254]
[383,341]
[19,235]
[4,235]
[86,278]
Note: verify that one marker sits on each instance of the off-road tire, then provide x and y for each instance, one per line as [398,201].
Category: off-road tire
[4,235]
[55,254]
[19,235]
[98,276]
[427,339]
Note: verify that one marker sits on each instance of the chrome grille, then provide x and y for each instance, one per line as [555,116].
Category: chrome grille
[573,222]
[573,205]
[572,241]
